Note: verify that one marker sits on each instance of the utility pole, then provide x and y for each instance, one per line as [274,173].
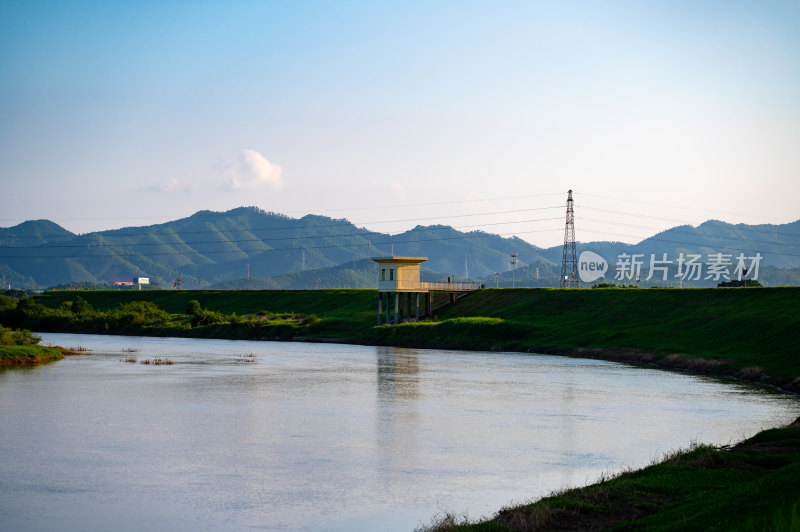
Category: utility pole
[513,268]
[497,279]
[466,267]
[248,271]
[569,259]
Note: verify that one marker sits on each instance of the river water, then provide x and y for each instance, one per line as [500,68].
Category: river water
[239,435]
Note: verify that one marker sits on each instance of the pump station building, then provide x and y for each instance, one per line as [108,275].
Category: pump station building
[400,277]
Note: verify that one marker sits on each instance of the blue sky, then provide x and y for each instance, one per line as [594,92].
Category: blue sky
[120,113]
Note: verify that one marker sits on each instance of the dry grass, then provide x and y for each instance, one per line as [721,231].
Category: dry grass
[158,362]
[249,358]
[444,522]
[751,373]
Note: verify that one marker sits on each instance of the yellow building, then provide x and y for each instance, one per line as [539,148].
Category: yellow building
[401,275]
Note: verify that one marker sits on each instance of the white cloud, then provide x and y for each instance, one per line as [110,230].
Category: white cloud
[253,170]
[398,191]
[171,185]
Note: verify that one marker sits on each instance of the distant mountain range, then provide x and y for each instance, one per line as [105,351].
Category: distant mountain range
[224,249]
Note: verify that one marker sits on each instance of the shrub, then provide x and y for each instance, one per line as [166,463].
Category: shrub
[311,319]
[745,283]
[202,316]
[18,337]
[140,313]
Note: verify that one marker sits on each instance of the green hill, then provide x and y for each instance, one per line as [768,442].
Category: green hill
[209,248]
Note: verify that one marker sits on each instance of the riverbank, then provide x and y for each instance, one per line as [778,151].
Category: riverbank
[750,334]
[747,333]
[751,486]
[28,355]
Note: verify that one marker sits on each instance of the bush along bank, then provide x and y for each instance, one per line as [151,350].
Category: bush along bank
[145,318]
[21,348]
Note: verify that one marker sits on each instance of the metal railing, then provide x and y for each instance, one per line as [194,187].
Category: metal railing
[424,286]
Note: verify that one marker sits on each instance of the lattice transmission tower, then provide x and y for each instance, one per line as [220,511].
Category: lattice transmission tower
[569,260]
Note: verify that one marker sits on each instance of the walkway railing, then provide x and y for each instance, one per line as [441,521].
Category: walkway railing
[424,286]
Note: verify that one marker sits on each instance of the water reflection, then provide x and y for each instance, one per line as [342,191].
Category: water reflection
[397,416]
[398,373]
[331,437]
[568,427]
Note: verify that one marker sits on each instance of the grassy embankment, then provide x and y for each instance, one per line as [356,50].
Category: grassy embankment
[751,333]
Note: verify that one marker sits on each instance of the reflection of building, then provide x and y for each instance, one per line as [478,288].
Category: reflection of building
[398,373]
[401,275]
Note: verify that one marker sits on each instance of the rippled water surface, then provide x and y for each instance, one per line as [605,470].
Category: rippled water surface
[238,435]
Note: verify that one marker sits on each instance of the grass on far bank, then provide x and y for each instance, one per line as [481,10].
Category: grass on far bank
[27,355]
[753,486]
[752,333]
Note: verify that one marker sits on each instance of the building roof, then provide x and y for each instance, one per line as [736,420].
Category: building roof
[404,260]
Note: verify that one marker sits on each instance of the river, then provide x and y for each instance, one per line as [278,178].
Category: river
[240,435]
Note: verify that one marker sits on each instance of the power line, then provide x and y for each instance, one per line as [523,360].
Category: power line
[699,235]
[330,246]
[428,204]
[287,228]
[684,222]
[683,207]
[338,209]
[240,241]
[695,244]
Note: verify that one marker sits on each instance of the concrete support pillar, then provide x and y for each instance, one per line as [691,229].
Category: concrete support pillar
[402,317]
[388,307]
[396,307]
[417,306]
[380,307]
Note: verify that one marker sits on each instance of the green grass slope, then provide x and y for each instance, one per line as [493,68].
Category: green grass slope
[753,486]
[735,330]
[333,302]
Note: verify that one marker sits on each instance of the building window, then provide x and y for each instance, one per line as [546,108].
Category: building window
[383,274]
[391,275]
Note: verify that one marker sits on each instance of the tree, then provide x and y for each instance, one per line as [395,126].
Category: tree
[744,283]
